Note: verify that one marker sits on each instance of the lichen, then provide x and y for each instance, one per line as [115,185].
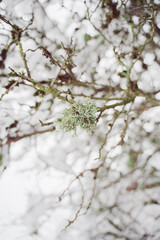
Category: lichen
[78,114]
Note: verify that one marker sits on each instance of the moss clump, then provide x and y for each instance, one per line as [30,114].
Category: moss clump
[78,114]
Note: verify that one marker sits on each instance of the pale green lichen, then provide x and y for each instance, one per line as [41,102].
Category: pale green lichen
[78,114]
